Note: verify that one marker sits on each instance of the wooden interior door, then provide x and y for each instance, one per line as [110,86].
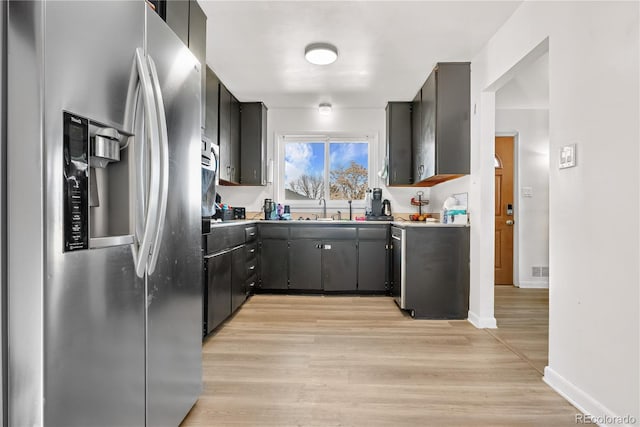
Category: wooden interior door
[504,211]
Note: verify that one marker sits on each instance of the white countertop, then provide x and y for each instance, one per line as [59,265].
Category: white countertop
[402,224]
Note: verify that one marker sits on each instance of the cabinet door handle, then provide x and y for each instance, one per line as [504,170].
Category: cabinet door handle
[252,250]
[251,268]
[228,171]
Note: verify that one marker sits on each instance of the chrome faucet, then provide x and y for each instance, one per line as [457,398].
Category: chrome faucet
[324,209]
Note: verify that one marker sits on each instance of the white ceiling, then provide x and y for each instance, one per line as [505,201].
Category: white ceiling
[529,89]
[386,49]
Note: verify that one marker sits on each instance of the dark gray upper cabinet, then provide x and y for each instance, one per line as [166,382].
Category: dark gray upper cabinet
[253,143]
[427,138]
[177,17]
[229,136]
[211,109]
[198,45]
[224,132]
[234,142]
[417,162]
[224,138]
[189,22]
[398,148]
[442,151]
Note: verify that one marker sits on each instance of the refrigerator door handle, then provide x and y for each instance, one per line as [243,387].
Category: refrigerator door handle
[164,164]
[146,216]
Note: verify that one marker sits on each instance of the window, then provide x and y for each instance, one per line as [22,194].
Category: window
[333,168]
[497,163]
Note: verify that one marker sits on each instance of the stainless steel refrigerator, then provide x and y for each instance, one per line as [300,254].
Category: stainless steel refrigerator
[102,213]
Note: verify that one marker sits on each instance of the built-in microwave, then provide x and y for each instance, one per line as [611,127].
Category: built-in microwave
[210,176]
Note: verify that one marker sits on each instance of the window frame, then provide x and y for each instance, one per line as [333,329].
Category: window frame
[327,139]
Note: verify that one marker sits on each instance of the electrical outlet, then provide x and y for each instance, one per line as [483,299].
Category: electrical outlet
[535,271]
[544,271]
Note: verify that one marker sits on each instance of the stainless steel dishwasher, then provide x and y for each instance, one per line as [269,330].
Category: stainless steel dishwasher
[399,265]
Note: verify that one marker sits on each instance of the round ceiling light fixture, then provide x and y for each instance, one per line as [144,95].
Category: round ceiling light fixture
[321,53]
[324,108]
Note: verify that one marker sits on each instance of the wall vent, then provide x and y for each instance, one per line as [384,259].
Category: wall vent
[541,271]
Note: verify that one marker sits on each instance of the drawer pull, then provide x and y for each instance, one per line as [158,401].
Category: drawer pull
[253,267]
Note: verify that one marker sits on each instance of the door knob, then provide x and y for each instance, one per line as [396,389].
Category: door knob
[509,222]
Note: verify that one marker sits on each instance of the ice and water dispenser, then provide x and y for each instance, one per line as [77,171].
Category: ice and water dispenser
[98,182]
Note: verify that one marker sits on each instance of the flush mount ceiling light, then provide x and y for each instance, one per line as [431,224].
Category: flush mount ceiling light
[321,53]
[324,108]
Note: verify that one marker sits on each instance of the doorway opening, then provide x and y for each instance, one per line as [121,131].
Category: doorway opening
[521,267]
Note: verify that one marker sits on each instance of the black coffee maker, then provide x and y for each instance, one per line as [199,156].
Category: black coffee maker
[376,202]
[380,210]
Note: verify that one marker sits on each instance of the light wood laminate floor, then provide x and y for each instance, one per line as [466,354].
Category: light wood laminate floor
[523,323]
[287,360]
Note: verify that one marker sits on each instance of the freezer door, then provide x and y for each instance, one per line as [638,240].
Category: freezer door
[94,361]
[174,307]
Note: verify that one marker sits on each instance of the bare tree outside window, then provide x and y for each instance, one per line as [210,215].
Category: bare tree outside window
[348,183]
[309,186]
[336,170]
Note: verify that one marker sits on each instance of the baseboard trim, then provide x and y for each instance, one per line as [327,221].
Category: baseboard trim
[531,284]
[482,322]
[584,402]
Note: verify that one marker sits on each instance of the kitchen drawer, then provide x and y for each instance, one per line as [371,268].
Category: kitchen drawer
[373,233]
[268,231]
[302,232]
[251,233]
[251,250]
[222,238]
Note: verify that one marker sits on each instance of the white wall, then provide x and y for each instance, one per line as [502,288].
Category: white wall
[594,102]
[531,240]
[282,121]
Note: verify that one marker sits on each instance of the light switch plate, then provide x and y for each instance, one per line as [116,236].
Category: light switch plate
[527,191]
[568,156]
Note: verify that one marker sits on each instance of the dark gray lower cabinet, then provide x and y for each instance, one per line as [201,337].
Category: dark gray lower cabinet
[372,265]
[238,278]
[339,257]
[219,289]
[437,272]
[305,260]
[274,263]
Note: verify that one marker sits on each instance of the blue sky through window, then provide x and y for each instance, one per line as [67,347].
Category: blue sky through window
[305,169]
